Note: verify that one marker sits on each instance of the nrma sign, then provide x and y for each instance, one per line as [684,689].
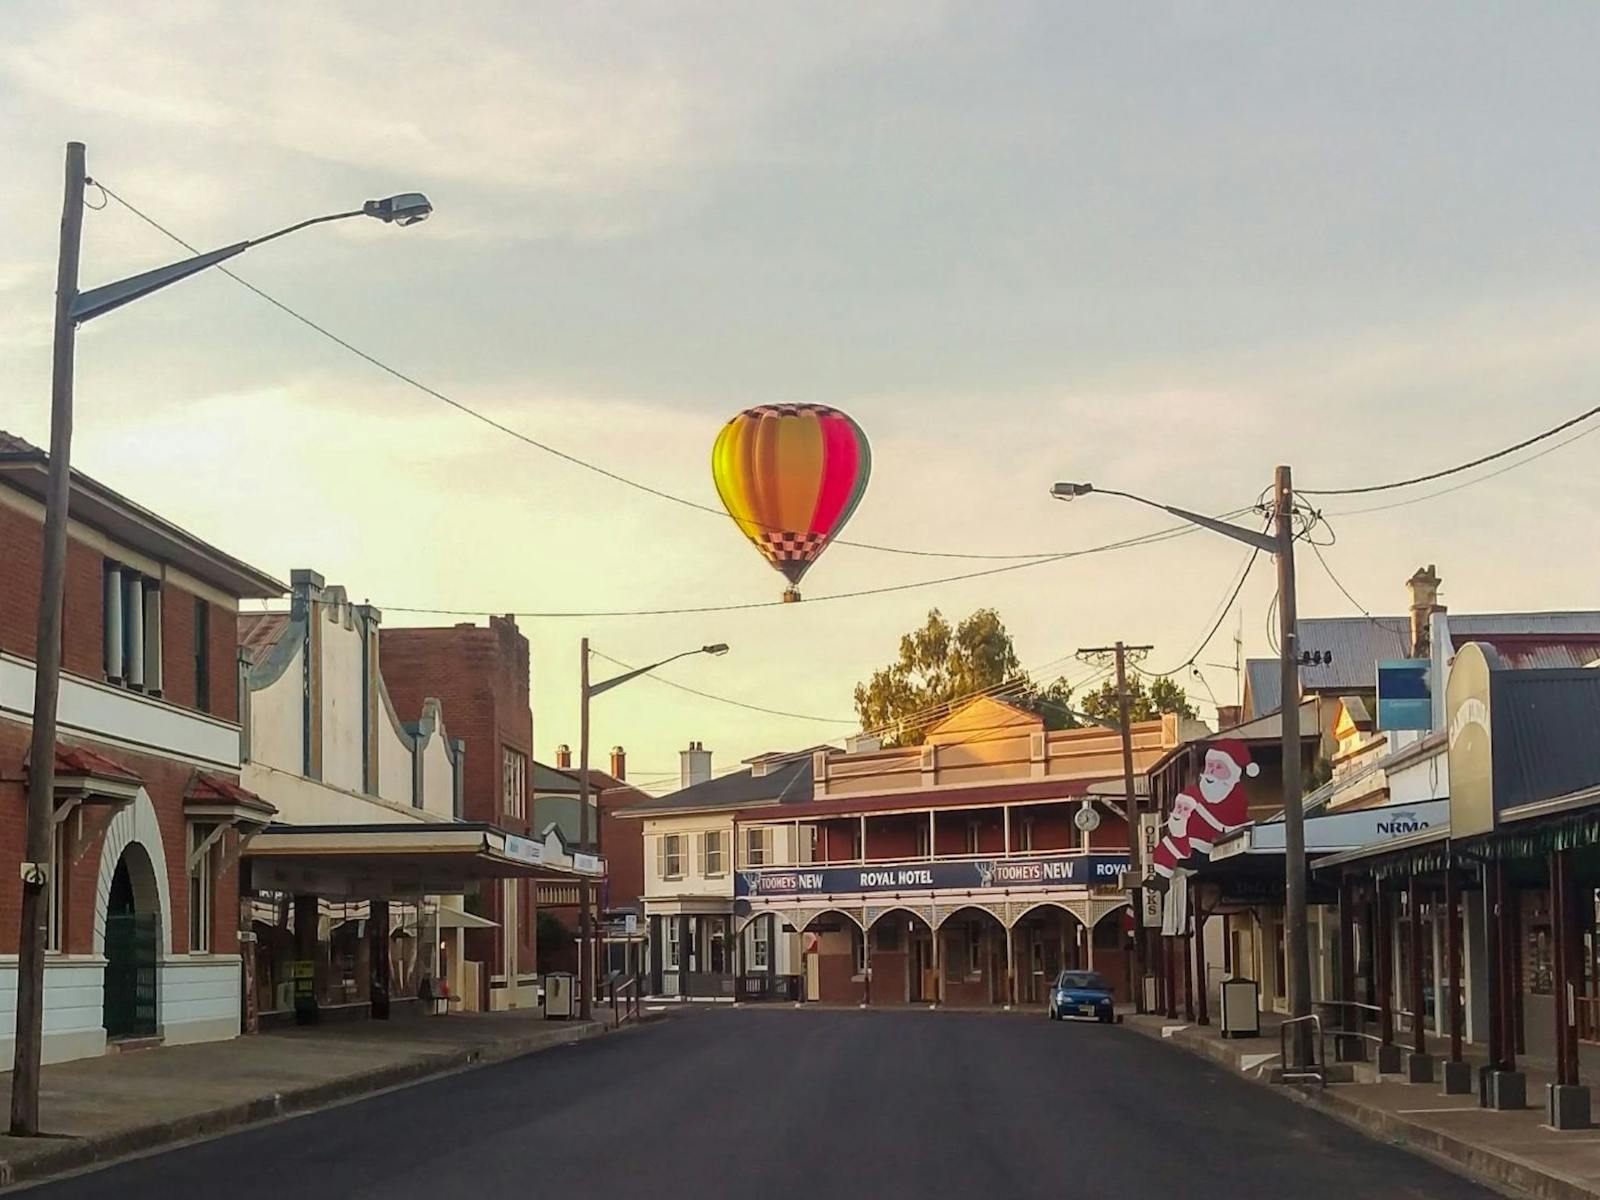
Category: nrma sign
[1396,824]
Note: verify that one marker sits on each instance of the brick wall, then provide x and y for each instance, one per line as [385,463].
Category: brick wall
[480,675]
[165,781]
[83,618]
[622,842]
[20,550]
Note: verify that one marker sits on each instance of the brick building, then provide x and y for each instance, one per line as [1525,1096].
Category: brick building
[143,913]
[481,677]
[617,839]
[965,871]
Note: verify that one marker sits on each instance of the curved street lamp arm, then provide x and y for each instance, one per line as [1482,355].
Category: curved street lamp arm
[1250,537]
[88,305]
[618,680]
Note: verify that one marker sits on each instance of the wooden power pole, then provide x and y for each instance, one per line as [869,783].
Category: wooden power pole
[1119,654]
[34,933]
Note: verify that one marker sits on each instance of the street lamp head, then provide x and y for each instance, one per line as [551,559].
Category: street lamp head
[405,209]
[1071,491]
[719,649]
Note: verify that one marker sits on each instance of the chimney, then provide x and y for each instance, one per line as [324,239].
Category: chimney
[694,765]
[563,757]
[619,763]
[1229,715]
[1424,588]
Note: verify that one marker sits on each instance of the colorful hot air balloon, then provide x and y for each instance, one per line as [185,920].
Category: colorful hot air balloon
[790,475]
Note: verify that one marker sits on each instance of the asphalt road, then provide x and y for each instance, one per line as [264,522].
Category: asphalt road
[821,1105]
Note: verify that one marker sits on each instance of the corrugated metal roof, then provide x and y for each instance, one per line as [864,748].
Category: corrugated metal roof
[259,633]
[790,784]
[1544,734]
[1470,626]
[1525,641]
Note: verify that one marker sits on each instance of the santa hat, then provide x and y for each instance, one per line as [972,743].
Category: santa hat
[1237,753]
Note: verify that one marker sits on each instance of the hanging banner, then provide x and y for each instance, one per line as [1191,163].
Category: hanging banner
[999,874]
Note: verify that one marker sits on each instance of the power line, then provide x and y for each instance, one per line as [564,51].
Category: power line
[526,439]
[1457,469]
[1222,615]
[1522,462]
[771,712]
[1162,535]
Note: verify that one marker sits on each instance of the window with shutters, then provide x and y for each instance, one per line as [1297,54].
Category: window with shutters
[712,856]
[669,855]
[757,847]
[131,630]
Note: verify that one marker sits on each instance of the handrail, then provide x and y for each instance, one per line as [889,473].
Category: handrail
[1318,1069]
[627,992]
[1375,1039]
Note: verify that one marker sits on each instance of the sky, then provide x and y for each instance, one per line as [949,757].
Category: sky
[1164,247]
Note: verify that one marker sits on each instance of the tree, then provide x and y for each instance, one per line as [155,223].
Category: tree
[939,665]
[1144,704]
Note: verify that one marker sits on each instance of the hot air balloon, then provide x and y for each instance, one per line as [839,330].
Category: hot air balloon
[790,475]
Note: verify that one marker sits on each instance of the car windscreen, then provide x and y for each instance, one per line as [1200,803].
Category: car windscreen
[1087,981]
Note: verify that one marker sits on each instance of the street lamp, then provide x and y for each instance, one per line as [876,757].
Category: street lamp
[1279,543]
[586,963]
[72,309]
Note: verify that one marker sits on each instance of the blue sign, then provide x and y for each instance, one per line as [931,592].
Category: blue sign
[1405,694]
[995,875]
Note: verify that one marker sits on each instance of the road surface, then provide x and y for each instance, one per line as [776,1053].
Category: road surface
[822,1105]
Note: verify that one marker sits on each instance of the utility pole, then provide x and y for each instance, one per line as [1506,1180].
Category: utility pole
[585,922]
[47,671]
[1120,653]
[1294,833]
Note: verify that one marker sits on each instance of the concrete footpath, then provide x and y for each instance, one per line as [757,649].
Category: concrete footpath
[1513,1151]
[99,1109]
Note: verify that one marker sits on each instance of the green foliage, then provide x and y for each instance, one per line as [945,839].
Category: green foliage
[939,664]
[1145,703]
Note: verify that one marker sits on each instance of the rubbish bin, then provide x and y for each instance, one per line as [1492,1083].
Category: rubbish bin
[1241,1008]
[558,994]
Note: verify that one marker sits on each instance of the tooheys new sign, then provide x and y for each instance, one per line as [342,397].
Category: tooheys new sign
[1216,807]
[1067,870]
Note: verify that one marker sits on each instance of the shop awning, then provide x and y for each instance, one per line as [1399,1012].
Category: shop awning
[377,861]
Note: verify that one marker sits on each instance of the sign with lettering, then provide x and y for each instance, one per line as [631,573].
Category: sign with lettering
[1000,874]
[523,849]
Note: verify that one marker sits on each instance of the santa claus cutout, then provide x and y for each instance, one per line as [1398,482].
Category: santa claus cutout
[1198,822]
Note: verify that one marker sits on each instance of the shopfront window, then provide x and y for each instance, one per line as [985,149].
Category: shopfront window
[1538,956]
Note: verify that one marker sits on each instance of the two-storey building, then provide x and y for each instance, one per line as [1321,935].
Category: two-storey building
[698,948]
[149,813]
[966,870]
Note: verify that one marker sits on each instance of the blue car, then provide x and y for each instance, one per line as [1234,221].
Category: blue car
[1082,994]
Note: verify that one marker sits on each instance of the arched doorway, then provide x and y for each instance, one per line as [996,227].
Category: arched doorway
[974,957]
[833,957]
[902,959]
[132,946]
[1049,938]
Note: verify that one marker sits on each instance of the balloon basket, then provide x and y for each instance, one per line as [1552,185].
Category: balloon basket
[791,596]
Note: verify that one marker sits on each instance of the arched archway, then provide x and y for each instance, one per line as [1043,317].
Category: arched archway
[132,939]
[1049,937]
[833,957]
[904,962]
[976,956]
